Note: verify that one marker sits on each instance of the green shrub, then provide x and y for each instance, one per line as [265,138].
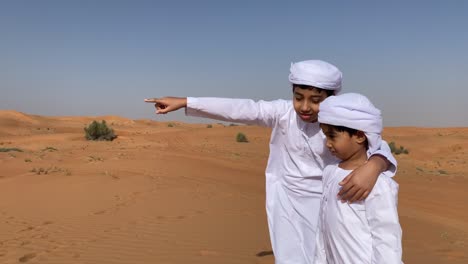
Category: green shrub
[241,137]
[50,149]
[209,126]
[397,150]
[10,149]
[99,131]
[392,146]
[170,125]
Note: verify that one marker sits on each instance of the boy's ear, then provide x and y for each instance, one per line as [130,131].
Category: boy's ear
[360,137]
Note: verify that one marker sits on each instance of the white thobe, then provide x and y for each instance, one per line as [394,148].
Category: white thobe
[294,172]
[364,232]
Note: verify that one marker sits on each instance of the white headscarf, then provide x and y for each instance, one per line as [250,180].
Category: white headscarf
[316,73]
[355,111]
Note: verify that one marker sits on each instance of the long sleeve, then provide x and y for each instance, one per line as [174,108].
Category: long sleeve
[382,216]
[386,152]
[245,111]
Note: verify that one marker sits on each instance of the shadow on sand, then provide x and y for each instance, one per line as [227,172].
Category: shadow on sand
[264,253]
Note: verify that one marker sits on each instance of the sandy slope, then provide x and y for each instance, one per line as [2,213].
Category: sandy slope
[190,194]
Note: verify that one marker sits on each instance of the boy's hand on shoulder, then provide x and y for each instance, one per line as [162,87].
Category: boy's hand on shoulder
[359,183]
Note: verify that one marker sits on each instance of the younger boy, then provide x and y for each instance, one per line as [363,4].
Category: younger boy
[368,231]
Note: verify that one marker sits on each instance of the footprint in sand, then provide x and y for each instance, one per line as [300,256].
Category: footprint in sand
[100,212]
[265,253]
[29,228]
[24,243]
[209,253]
[27,257]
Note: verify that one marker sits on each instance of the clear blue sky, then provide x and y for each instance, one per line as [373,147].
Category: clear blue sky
[104,57]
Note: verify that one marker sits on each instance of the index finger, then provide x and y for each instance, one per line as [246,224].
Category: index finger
[348,194]
[152,100]
[345,188]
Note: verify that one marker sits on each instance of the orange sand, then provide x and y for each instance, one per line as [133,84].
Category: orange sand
[191,194]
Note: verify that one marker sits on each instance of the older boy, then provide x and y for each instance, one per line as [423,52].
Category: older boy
[368,231]
[297,154]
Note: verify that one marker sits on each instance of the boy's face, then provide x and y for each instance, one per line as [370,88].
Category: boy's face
[306,102]
[341,144]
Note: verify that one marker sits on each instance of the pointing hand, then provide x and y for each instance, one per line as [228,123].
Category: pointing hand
[165,105]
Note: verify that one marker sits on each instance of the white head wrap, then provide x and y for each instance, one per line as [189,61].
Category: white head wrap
[316,73]
[355,111]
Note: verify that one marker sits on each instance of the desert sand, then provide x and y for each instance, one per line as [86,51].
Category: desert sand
[186,193]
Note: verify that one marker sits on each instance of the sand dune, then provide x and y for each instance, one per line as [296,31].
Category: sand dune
[190,194]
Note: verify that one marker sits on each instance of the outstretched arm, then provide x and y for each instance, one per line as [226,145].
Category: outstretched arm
[245,111]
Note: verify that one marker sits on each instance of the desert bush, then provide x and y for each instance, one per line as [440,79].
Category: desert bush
[50,170]
[209,126]
[50,149]
[99,131]
[170,125]
[397,150]
[10,149]
[240,137]
[94,159]
[392,146]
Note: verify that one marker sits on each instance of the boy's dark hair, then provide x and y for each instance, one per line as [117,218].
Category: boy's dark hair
[309,87]
[350,131]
